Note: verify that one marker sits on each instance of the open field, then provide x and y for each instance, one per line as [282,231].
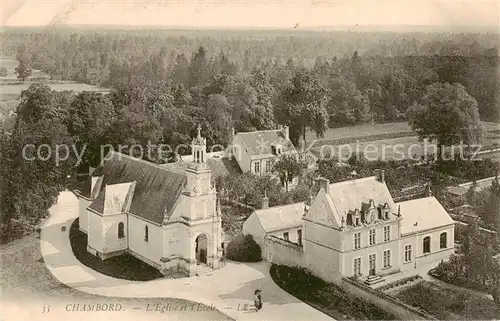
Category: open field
[12,92]
[10,64]
[368,140]
[361,130]
[10,87]
[366,130]
[391,149]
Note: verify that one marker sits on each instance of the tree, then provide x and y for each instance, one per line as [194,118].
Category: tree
[347,105]
[447,114]
[303,105]
[34,161]
[198,68]
[23,70]
[243,248]
[333,170]
[218,112]
[491,208]
[287,167]
[90,118]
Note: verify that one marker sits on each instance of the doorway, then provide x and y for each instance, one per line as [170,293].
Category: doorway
[371,260]
[201,249]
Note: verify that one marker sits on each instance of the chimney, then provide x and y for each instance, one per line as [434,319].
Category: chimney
[233,133]
[429,191]
[265,201]
[382,176]
[280,127]
[324,183]
[286,132]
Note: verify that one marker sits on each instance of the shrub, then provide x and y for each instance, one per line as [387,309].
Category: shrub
[243,248]
[329,298]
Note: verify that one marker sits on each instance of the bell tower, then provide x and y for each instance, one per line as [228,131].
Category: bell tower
[199,148]
[199,175]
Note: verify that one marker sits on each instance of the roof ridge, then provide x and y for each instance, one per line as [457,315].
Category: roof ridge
[259,131]
[355,180]
[418,199]
[166,168]
[279,206]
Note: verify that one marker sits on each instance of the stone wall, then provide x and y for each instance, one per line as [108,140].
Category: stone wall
[282,252]
[402,310]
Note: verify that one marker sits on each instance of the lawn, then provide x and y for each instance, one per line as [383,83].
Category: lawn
[364,130]
[27,286]
[449,304]
[329,298]
[17,88]
[396,148]
[121,267]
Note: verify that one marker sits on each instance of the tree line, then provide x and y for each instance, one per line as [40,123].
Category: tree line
[368,76]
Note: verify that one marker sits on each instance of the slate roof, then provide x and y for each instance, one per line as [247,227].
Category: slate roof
[157,188]
[258,143]
[218,166]
[426,212]
[350,195]
[281,217]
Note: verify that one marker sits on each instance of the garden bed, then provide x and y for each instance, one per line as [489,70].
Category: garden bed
[448,304]
[122,267]
[329,298]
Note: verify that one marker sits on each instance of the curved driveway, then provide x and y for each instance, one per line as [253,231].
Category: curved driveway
[225,289]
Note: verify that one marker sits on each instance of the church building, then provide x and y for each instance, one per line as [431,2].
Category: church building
[166,217]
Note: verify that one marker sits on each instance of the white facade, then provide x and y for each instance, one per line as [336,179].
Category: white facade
[283,222]
[166,218]
[354,228]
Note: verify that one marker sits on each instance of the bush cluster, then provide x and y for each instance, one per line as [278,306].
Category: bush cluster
[243,248]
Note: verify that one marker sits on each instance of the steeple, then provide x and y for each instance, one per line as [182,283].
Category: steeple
[199,148]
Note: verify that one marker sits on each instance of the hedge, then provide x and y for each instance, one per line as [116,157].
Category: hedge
[243,248]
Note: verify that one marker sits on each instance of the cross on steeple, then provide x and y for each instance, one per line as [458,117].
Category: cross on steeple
[199,131]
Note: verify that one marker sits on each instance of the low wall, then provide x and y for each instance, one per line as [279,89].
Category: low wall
[402,310]
[281,252]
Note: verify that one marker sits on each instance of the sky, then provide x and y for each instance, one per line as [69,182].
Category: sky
[250,13]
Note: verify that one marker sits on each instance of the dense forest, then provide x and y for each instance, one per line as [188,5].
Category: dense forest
[365,76]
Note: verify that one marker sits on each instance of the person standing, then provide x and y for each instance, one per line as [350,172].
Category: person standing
[256,300]
[259,300]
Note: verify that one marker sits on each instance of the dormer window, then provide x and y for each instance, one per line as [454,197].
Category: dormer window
[357,221]
[276,149]
[386,212]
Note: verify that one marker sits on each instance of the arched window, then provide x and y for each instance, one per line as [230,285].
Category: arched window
[146,233]
[121,230]
[427,244]
[442,240]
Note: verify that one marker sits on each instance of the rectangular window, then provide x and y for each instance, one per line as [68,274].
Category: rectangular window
[257,167]
[408,253]
[357,266]
[442,240]
[285,236]
[387,233]
[268,166]
[299,237]
[427,244]
[372,237]
[357,240]
[387,258]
